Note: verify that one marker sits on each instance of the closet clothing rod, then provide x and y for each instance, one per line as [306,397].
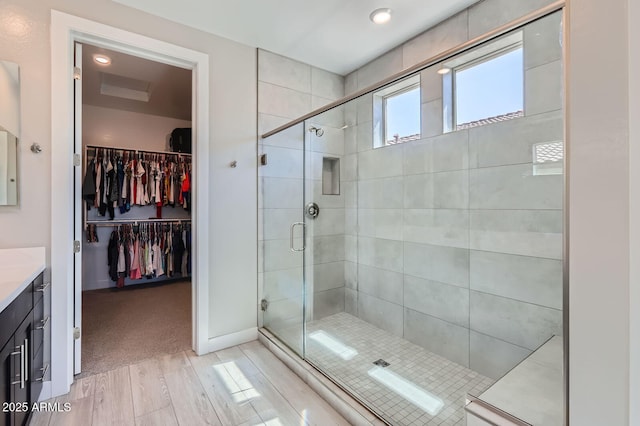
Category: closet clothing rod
[88,147]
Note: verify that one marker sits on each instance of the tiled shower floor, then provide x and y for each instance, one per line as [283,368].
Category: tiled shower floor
[433,373]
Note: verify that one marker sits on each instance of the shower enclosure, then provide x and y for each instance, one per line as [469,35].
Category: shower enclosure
[416,265]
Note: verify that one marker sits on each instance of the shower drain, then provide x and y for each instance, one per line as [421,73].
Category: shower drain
[381,363]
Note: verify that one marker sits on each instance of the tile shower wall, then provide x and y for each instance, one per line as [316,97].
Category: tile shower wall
[452,241]
[288,89]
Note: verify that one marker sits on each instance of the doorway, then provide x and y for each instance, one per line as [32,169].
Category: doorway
[65,31]
[133,119]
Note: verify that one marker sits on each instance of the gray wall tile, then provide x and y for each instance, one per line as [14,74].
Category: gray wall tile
[277,222]
[381,193]
[442,227]
[351,301]
[418,191]
[451,190]
[514,187]
[443,301]
[328,302]
[516,322]
[418,156]
[284,284]
[511,142]
[382,314]
[351,138]
[380,223]
[351,248]
[351,83]
[529,279]
[380,163]
[443,338]
[535,233]
[364,136]
[494,357]
[385,254]
[323,201]
[430,84]
[542,41]
[488,15]
[278,255]
[328,249]
[451,151]
[444,36]
[328,222]
[326,84]
[282,162]
[282,71]
[333,117]
[327,276]
[543,88]
[380,68]
[280,193]
[380,283]
[351,221]
[349,172]
[431,118]
[364,109]
[448,265]
[351,275]
[282,102]
[332,142]
[293,137]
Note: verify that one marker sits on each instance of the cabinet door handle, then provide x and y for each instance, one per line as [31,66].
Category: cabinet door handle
[26,361]
[22,361]
[43,323]
[43,287]
[44,370]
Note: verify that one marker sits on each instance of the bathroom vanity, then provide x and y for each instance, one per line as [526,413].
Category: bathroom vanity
[23,326]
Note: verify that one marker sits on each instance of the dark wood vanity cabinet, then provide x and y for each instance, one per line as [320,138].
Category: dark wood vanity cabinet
[22,327]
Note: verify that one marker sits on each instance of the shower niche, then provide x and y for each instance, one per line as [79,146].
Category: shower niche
[330,176]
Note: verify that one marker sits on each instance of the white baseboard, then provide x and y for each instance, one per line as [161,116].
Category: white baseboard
[229,340]
[45,392]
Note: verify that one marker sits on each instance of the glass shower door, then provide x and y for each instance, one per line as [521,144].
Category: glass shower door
[281,235]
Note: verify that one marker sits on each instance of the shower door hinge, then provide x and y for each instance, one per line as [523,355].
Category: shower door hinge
[263,159]
[76,333]
[264,304]
[77,73]
[76,246]
[76,160]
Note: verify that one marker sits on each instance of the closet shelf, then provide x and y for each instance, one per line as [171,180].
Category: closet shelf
[144,151]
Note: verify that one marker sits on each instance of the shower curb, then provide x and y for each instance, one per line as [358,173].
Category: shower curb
[347,406]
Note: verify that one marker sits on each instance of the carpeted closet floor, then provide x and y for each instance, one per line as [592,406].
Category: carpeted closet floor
[124,326]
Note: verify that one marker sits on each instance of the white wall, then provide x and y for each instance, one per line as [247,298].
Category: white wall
[113,127]
[634,198]
[598,132]
[232,99]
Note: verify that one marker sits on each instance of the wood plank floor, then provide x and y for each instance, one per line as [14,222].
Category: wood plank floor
[243,385]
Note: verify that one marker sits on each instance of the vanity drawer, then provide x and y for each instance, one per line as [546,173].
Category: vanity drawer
[13,314]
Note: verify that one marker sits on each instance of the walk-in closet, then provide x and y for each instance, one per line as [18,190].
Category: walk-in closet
[136,196]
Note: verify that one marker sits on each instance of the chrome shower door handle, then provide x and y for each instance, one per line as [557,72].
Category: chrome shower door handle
[304,227]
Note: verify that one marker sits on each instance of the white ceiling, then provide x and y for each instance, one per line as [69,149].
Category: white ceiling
[169,87]
[335,35]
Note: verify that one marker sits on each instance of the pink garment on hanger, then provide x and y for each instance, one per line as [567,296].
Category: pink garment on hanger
[135,263]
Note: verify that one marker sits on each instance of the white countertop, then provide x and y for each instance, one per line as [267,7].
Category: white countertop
[19,267]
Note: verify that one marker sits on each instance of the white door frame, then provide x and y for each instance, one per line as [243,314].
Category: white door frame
[65,30]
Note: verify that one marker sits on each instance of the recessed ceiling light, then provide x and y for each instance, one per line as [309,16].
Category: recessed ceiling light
[380,16]
[102,59]
[444,71]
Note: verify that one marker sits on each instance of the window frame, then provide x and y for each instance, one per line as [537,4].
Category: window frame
[380,108]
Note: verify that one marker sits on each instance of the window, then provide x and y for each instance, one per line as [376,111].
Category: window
[397,113]
[485,85]
[489,90]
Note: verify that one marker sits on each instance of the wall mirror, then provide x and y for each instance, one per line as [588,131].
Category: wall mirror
[9,132]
